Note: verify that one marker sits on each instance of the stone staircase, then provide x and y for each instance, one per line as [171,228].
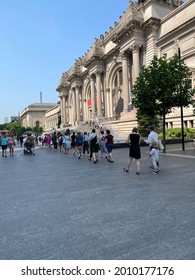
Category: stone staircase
[119,128]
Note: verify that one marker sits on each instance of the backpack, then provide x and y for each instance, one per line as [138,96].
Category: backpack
[80,141]
[94,140]
[60,140]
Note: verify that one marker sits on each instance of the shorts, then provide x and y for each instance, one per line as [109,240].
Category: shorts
[109,147]
[94,148]
[4,147]
[10,145]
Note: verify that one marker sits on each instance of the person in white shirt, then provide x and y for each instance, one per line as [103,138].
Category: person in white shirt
[154,156]
[153,139]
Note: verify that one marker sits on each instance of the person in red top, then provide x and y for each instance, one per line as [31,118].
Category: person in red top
[109,145]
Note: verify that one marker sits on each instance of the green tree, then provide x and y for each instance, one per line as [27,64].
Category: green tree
[37,129]
[183,93]
[152,91]
[160,87]
[13,127]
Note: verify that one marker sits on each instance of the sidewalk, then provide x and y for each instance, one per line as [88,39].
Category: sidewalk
[54,206]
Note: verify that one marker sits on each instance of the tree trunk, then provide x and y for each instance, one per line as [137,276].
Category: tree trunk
[164,136]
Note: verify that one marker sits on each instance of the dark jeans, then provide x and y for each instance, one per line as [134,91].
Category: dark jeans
[55,145]
[85,147]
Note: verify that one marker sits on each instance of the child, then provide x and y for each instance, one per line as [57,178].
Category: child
[154,155]
[103,144]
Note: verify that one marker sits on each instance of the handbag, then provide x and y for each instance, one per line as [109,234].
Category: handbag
[160,145]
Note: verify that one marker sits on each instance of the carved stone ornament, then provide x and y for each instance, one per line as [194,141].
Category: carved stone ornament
[135,47]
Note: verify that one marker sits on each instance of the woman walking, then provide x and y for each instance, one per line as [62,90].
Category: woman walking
[109,145]
[11,144]
[66,142]
[73,142]
[134,140]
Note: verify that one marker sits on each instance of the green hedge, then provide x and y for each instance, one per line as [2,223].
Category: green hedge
[172,133]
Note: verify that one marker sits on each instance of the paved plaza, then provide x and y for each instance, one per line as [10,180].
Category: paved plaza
[54,206]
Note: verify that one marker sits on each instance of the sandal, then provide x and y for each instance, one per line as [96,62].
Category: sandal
[125,169]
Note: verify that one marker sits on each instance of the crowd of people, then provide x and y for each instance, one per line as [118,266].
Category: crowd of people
[81,143]
[93,144]
[100,144]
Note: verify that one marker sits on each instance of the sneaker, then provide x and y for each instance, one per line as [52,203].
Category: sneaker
[155,172]
[95,162]
[79,156]
[125,169]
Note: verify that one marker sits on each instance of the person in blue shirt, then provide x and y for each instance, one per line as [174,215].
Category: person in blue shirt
[4,143]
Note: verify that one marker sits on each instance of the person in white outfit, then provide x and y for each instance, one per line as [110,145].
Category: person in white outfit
[153,139]
[154,156]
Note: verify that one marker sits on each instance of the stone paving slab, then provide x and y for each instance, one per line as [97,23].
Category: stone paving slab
[54,206]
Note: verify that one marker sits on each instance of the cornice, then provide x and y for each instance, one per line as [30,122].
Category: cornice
[173,33]
[126,30]
[151,23]
[178,10]
[112,52]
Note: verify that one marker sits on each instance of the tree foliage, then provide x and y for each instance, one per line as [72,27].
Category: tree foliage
[17,129]
[160,87]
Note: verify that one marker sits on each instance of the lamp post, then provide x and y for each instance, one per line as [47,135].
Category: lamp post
[181,107]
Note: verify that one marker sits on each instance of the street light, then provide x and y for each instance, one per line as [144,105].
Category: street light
[181,107]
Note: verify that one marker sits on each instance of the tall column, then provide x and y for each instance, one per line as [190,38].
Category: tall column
[84,110]
[92,82]
[64,110]
[73,106]
[61,105]
[144,54]
[99,99]
[81,104]
[69,108]
[107,108]
[125,81]
[136,62]
[78,118]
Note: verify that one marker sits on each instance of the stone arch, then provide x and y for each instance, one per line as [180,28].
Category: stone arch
[114,71]
[86,95]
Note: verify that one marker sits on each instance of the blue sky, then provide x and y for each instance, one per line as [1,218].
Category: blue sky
[40,39]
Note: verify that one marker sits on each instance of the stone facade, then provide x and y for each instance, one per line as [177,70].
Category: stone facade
[89,89]
[52,118]
[177,30]
[34,114]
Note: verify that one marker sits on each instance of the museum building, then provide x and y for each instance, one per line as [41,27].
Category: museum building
[99,84]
